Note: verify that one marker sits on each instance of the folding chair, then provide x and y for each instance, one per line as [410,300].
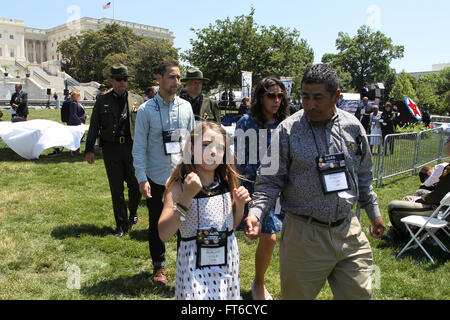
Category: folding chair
[430,224]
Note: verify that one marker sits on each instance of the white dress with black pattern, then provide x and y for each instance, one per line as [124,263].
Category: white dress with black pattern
[211,283]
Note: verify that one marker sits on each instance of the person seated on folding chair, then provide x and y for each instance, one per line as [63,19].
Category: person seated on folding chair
[429,228]
[423,206]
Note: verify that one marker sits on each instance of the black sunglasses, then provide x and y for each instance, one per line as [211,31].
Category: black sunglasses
[124,79]
[273,96]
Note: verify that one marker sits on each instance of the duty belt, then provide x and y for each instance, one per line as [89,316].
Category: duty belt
[122,140]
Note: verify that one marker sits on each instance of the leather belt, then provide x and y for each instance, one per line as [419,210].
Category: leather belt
[325,224]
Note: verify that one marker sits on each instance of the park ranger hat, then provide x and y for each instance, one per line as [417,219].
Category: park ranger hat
[119,70]
[194,74]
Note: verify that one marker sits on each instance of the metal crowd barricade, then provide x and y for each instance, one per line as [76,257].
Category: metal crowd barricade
[376,146]
[430,146]
[407,152]
[399,154]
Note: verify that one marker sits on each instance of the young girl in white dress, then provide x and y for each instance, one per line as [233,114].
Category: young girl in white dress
[205,203]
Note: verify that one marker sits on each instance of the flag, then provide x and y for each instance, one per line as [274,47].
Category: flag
[107,6]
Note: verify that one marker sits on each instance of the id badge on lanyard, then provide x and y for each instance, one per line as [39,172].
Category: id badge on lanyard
[172,142]
[171,138]
[211,248]
[333,173]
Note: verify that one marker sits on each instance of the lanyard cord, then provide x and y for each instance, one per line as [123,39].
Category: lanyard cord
[315,139]
[160,115]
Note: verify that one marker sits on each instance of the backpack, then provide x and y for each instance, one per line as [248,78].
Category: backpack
[65,111]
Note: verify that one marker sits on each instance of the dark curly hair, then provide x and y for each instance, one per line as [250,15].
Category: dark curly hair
[257,101]
[322,74]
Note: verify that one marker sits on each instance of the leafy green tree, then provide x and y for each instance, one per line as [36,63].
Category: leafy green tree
[345,80]
[83,55]
[444,84]
[433,88]
[403,87]
[224,49]
[366,56]
[144,56]
[88,57]
[444,107]
[426,93]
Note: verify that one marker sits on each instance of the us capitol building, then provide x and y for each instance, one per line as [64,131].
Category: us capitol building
[34,51]
[35,46]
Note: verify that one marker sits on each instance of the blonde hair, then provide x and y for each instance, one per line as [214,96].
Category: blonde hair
[74,94]
[226,171]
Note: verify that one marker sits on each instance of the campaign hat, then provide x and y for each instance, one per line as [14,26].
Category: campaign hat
[119,70]
[194,74]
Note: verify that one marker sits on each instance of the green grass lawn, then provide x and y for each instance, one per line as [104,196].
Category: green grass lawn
[56,218]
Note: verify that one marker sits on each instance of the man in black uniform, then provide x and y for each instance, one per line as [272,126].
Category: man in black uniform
[113,117]
[388,124]
[19,103]
[426,118]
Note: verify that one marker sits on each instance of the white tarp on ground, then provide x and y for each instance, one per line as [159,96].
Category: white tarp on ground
[30,138]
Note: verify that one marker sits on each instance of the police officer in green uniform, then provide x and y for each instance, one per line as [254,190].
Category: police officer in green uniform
[205,109]
[113,120]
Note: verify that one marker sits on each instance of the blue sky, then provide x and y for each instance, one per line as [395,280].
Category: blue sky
[423,27]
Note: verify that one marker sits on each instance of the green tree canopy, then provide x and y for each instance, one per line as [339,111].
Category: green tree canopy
[403,87]
[89,56]
[432,88]
[224,49]
[366,56]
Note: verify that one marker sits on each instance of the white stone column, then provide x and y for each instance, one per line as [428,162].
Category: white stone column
[34,51]
[26,50]
[42,51]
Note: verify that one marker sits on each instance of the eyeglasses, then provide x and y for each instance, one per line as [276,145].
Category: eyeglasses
[273,95]
[124,79]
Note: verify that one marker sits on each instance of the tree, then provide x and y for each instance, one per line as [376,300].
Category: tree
[366,56]
[345,80]
[83,56]
[444,107]
[224,49]
[89,57]
[144,56]
[403,87]
[433,88]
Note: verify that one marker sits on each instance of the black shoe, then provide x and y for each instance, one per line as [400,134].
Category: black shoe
[391,236]
[134,219]
[120,233]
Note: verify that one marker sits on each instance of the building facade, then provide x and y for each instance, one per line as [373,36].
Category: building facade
[37,46]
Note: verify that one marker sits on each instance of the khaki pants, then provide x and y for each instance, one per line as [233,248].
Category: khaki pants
[398,209]
[310,254]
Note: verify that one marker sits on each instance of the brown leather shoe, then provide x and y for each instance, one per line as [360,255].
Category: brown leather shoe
[160,276]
